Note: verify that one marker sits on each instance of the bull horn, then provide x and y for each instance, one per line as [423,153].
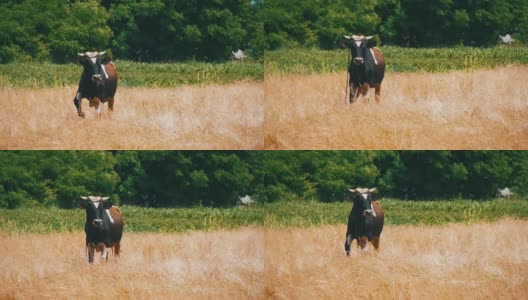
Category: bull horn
[372,190]
[84,198]
[369,37]
[81,54]
[353,190]
[102,53]
[347,37]
[104,198]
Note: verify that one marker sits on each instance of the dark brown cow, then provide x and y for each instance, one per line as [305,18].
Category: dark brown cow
[365,221]
[103,227]
[367,67]
[98,82]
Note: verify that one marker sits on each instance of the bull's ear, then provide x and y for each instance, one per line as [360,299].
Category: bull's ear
[107,204]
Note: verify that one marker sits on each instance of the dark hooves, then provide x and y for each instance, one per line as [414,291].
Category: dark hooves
[81,114]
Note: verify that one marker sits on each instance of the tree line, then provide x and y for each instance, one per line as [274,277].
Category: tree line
[416,23]
[208,30]
[157,30]
[218,178]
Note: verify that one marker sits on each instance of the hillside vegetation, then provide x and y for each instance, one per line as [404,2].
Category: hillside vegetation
[398,59]
[131,74]
[281,214]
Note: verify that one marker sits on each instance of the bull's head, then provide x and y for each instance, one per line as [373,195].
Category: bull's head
[358,45]
[95,208]
[93,69]
[362,198]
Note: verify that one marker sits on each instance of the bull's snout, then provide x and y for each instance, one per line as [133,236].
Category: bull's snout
[368,212]
[96,77]
[97,223]
[358,60]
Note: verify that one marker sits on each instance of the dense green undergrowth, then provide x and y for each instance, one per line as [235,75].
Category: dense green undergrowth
[132,74]
[398,59]
[276,215]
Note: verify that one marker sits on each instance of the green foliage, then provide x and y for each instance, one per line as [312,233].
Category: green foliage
[160,30]
[310,61]
[51,29]
[137,219]
[416,23]
[218,178]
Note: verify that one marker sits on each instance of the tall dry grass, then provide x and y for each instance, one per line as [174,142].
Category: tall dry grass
[210,117]
[219,265]
[484,109]
[479,261]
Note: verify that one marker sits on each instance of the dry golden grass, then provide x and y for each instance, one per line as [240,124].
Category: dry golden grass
[485,109]
[220,265]
[479,261]
[211,117]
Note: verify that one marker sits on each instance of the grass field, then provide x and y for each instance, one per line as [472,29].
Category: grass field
[477,109]
[283,250]
[455,261]
[132,74]
[194,265]
[187,117]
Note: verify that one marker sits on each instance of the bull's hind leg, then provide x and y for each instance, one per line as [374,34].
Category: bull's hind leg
[375,242]
[111,104]
[377,92]
[363,243]
[117,248]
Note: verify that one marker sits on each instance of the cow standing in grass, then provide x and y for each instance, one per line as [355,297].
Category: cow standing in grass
[103,227]
[367,66]
[98,82]
[365,221]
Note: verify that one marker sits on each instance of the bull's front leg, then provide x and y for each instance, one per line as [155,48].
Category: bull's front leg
[365,90]
[348,242]
[104,255]
[91,251]
[77,102]
[353,92]
[377,92]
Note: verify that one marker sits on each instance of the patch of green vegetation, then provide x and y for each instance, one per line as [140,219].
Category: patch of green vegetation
[398,59]
[274,215]
[132,74]
[397,212]
[137,219]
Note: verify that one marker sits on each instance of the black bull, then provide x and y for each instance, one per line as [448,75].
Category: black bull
[367,67]
[98,82]
[365,221]
[103,227]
